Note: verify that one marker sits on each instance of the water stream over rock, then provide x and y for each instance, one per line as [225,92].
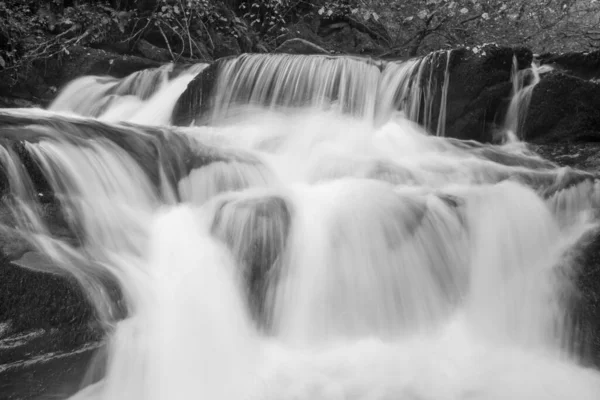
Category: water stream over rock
[311,241]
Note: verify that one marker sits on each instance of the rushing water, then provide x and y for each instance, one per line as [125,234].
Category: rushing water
[303,253]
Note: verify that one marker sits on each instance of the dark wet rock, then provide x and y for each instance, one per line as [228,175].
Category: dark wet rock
[585,270]
[256,231]
[585,304]
[564,108]
[585,156]
[195,102]
[54,372]
[479,90]
[13,245]
[300,46]
[37,300]
[581,65]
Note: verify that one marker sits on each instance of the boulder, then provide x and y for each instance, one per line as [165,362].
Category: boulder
[581,65]
[563,108]
[196,100]
[31,299]
[585,263]
[300,46]
[479,90]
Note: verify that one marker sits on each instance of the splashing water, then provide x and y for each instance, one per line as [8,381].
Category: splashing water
[309,254]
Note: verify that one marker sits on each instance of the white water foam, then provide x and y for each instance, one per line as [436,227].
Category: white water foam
[342,260]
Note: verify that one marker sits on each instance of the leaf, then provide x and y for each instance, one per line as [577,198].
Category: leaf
[329,13]
[422,14]
[376,16]
[176,9]
[464,10]
[2,62]
[321,10]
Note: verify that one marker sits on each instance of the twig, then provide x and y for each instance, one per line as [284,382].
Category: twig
[166,41]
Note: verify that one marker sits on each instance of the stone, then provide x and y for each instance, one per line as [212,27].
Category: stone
[563,108]
[479,90]
[581,65]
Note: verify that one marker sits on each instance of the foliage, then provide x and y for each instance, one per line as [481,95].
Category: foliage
[435,24]
[29,33]
[347,9]
[181,18]
[267,17]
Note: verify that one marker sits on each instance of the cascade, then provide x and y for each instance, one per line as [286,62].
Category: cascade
[363,88]
[311,242]
[524,82]
[114,99]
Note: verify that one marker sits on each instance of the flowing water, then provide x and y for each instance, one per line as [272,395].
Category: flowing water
[524,81]
[321,245]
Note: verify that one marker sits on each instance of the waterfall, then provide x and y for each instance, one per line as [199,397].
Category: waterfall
[118,99]
[363,88]
[524,82]
[294,249]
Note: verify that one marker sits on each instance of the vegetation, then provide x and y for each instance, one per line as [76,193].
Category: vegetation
[32,30]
